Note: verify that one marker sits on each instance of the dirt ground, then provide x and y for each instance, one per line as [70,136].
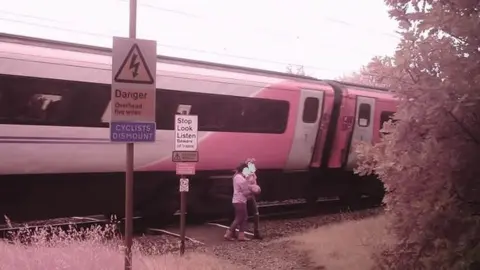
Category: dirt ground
[345,245]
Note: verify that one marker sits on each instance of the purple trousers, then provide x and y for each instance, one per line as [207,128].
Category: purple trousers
[241,217]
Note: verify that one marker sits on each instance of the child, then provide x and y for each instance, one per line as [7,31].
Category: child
[252,202]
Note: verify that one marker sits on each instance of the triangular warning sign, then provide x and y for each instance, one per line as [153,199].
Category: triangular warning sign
[134,69]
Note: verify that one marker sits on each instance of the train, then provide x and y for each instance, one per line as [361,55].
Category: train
[57,160]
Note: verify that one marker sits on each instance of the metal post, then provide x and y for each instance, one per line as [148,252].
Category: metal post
[129,172]
[183,210]
[129,207]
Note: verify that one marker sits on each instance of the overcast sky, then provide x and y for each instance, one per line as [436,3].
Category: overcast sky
[328,37]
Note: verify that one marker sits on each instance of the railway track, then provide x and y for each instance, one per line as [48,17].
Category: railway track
[6,231]
[299,209]
[268,210]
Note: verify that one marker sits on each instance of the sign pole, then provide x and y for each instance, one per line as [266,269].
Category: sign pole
[132,106]
[185,155]
[129,172]
[183,210]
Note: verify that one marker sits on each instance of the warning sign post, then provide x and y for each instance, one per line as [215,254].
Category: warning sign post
[185,157]
[133,96]
[132,103]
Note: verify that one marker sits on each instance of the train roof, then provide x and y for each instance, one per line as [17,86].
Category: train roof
[353,89]
[58,52]
[15,47]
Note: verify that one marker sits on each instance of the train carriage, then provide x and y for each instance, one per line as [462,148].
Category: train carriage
[57,160]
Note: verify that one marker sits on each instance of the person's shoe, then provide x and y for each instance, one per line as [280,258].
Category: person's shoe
[242,237]
[228,235]
[256,235]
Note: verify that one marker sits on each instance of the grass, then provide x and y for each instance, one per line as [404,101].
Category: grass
[93,248]
[349,244]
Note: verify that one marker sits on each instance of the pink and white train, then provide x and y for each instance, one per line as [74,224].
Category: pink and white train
[56,158]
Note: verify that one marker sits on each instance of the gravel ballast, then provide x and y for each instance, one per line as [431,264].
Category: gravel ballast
[266,254]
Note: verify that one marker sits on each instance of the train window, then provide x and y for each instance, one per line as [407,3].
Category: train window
[35,101]
[310,110]
[364,115]
[223,113]
[38,101]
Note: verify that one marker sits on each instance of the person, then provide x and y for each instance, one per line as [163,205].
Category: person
[252,202]
[241,193]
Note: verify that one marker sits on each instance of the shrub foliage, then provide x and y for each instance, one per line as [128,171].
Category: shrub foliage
[429,159]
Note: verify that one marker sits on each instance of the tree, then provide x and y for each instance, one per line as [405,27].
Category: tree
[429,159]
[296,69]
[371,74]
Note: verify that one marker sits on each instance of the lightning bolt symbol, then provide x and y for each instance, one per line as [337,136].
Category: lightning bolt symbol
[134,65]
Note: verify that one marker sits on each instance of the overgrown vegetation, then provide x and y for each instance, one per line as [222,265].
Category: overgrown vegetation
[348,244]
[93,248]
[429,158]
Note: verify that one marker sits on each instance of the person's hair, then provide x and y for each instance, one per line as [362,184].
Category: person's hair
[252,160]
[240,167]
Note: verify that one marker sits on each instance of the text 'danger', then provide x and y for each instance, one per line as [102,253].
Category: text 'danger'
[133,105]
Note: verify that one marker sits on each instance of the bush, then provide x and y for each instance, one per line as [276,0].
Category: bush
[348,244]
[429,158]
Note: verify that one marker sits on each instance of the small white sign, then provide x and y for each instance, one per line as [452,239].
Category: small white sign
[362,122]
[186,132]
[184,185]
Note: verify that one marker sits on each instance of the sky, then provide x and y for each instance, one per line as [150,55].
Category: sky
[329,38]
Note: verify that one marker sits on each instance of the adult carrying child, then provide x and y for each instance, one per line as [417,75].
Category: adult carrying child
[242,191]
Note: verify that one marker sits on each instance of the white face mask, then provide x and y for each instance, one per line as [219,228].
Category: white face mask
[246,172]
[251,167]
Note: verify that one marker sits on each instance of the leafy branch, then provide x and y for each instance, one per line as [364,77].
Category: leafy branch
[464,128]
[462,198]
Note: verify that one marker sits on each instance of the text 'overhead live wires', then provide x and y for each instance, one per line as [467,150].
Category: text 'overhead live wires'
[100,35]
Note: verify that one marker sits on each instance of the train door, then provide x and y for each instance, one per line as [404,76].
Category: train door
[306,127]
[362,128]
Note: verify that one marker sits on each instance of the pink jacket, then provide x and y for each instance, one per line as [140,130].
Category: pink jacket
[241,190]
[252,179]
